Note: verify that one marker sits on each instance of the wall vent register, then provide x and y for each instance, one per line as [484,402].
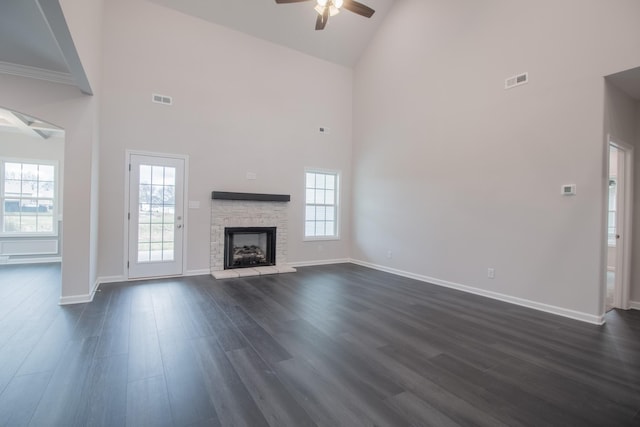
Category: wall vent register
[161,99]
[518,80]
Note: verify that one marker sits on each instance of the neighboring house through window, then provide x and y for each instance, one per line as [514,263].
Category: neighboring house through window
[321,210]
[28,193]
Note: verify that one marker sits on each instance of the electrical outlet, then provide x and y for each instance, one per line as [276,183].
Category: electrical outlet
[491,273]
[389,254]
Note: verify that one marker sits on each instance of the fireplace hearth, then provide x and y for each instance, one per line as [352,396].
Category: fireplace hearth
[247,247]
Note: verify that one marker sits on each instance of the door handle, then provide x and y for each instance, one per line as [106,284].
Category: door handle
[179,226]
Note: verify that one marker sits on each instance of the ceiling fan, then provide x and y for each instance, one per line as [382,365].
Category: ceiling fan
[327,8]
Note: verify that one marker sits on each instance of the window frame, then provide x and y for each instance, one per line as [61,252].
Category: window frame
[336,205]
[54,199]
[612,208]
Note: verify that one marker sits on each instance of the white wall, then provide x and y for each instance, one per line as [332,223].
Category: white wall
[240,105]
[85,21]
[454,174]
[17,144]
[620,116]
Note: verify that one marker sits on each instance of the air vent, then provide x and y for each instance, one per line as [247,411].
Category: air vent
[161,99]
[518,80]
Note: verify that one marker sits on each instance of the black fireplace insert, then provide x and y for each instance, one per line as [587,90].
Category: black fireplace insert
[246,247]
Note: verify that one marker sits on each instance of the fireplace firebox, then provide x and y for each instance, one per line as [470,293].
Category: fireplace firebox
[246,247]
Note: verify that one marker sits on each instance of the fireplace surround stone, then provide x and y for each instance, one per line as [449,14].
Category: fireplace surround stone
[240,211]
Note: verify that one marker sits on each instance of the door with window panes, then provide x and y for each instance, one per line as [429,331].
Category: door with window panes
[156,224]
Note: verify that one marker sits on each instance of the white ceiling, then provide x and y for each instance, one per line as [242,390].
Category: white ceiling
[292,25]
[35,42]
[12,122]
[26,37]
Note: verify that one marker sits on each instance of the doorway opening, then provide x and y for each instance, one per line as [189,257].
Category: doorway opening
[31,189]
[619,220]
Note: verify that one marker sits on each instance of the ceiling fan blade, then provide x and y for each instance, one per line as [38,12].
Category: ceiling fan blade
[359,8]
[321,20]
[289,1]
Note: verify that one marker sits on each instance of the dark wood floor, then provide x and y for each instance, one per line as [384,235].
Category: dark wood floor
[334,346]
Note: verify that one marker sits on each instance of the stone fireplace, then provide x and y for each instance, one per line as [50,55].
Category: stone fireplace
[249,219]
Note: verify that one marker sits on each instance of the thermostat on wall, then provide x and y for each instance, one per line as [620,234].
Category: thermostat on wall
[569,190]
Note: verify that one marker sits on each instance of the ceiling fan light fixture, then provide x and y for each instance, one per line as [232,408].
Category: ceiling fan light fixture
[327,8]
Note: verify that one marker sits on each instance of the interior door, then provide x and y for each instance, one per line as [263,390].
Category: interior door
[619,223]
[156,212]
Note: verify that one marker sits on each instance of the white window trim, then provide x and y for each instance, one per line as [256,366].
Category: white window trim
[338,221]
[56,217]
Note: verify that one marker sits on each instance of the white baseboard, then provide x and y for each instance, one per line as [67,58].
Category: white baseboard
[95,287]
[634,305]
[76,299]
[41,260]
[117,279]
[201,272]
[111,279]
[319,262]
[572,314]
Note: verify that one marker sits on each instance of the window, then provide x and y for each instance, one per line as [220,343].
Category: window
[321,210]
[611,232]
[28,195]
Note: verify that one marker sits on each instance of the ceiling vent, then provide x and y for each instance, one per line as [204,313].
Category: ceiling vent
[162,99]
[518,80]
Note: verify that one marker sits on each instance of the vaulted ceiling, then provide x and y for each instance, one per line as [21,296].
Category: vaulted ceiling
[13,122]
[293,25]
[36,43]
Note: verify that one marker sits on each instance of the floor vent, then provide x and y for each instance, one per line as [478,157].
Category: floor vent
[161,99]
[518,80]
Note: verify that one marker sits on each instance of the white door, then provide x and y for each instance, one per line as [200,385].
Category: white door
[156,211]
[620,222]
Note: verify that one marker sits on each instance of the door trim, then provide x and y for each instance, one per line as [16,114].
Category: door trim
[624,217]
[127,159]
